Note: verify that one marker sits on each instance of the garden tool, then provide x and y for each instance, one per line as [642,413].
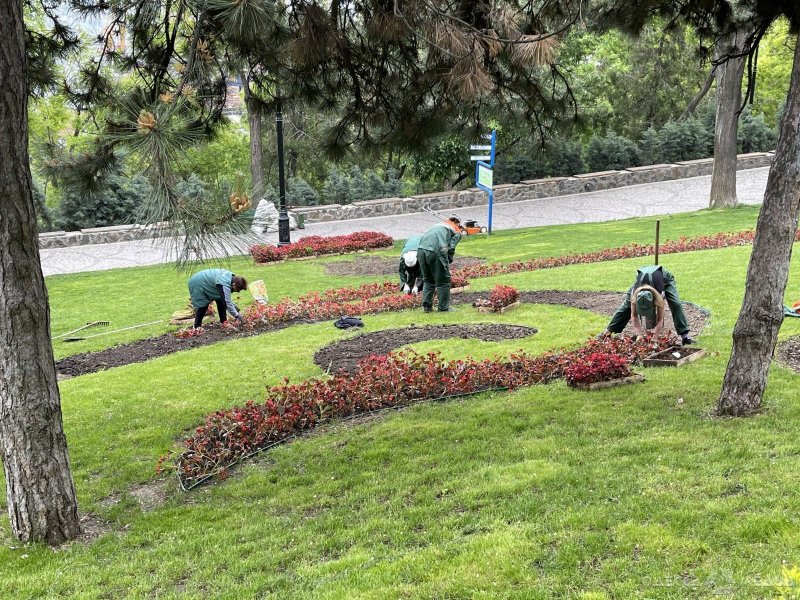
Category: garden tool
[78,339]
[91,324]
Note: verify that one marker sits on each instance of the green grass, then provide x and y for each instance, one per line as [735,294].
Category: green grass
[545,492]
[132,296]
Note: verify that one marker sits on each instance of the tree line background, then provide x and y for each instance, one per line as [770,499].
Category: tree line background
[631,95]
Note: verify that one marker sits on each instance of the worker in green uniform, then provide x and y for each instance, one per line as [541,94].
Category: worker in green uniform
[410,274]
[215,285]
[645,298]
[435,253]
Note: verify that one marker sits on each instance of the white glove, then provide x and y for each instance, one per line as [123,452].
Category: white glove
[415,290]
[406,289]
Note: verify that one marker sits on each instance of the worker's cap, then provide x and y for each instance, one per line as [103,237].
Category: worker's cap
[410,258]
[454,219]
[644,304]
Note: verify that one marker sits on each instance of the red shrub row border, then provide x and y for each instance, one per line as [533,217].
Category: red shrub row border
[391,381]
[316,245]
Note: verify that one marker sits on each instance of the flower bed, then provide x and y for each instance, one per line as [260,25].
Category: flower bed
[502,296]
[316,245]
[389,381]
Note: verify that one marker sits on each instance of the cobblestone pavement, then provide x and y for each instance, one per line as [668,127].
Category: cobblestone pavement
[668,197]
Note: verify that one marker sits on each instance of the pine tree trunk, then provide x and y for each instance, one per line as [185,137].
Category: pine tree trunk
[760,318]
[41,496]
[729,101]
[255,121]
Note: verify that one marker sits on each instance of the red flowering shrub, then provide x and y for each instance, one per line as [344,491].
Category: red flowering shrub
[458,281]
[316,245]
[597,366]
[397,379]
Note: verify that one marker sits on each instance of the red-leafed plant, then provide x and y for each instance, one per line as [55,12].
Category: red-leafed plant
[500,297]
[189,332]
[317,245]
[597,366]
[397,379]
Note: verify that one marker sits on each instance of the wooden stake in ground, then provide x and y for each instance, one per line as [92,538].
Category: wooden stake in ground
[658,233]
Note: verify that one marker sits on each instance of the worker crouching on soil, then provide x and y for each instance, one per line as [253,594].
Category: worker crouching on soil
[645,298]
[215,285]
[410,274]
[435,253]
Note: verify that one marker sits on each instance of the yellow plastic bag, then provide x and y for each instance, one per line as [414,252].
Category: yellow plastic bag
[259,291]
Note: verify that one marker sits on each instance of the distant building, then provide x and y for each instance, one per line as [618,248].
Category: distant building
[234,103]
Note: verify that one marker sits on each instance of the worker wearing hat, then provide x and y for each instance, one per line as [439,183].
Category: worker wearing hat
[645,299]
[410,274]
[215,285]
[437,247]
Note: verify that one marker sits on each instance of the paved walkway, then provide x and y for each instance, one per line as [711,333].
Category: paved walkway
[668,197]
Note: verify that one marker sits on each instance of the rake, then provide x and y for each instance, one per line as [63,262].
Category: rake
[87,326]
[79,339]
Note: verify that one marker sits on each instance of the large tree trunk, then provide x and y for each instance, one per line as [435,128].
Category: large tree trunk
[756,331]
[729,101]
[41,496]
[254,120]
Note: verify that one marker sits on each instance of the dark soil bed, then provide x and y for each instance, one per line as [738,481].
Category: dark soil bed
[604,303]
[383,265]
[789,353]
[146,349]
[347,353]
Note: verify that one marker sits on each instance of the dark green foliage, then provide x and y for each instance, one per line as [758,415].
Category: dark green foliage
[754,135]
[611,152]
[448,156]
[44,217]
[516,167]
[679,140]
[336,189]
[113,204]
[299,193]
[565,158]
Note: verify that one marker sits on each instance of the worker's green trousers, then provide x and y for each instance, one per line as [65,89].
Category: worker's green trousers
[623,314]
[435,268]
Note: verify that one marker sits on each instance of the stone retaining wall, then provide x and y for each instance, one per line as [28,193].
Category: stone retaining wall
[525,190]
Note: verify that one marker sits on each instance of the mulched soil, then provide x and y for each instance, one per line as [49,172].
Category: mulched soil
[383,265]
[789,353]
[346,354]
[604,303]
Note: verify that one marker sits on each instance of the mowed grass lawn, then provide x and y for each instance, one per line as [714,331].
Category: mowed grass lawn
[545,492]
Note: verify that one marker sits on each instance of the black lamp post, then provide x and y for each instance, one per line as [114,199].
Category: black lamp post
[283,215]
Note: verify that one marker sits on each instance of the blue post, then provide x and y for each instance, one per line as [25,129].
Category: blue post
[491,202]
[491,192]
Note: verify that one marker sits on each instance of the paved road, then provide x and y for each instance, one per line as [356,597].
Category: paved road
[668,197]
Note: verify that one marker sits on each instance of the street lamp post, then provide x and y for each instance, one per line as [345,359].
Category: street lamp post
[283,215]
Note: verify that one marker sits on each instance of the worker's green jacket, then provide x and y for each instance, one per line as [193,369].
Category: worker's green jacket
[203,286]
[441,238]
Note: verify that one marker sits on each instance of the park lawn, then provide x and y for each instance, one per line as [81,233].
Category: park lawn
[132,296]
[545,492]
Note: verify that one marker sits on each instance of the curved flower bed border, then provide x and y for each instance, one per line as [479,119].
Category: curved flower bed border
[390,381]
[316,245]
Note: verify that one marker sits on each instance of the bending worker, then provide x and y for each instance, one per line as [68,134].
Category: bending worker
[645,298]
[410,276]
[215,285]
[435,253]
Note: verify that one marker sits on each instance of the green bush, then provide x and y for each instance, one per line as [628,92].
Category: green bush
[516,167]
[754,135]
[115,203]
[611,152]
[565,159]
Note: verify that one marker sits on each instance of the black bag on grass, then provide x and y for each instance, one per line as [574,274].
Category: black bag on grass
[348,322]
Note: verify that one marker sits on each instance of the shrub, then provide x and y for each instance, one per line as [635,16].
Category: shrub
[300,193]
[565,159]
[516,167]
[754,135]
[611,152]
[114,203]
[317,245]
[500,297]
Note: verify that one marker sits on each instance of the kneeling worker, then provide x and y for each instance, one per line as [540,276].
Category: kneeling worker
[436,251]
[215,285]
[410,276]
[645,298]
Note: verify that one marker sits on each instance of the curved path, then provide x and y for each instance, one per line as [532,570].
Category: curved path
[667,197]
